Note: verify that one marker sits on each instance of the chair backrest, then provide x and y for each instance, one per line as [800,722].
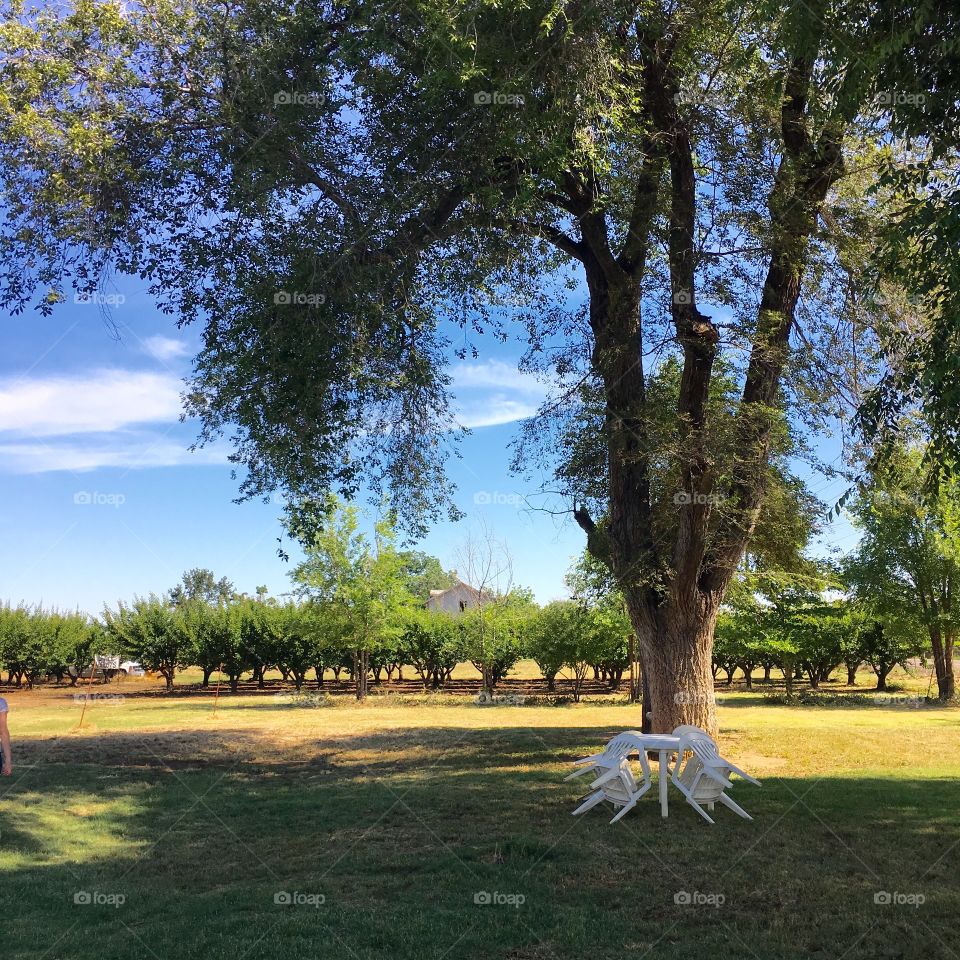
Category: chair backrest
[689,730]
[622,744]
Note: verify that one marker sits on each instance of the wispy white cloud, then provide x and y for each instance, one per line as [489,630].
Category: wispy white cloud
[493,411]
[128,419]
[98,402]
[165,349]
[494,373]
[123,450]
[493,392]
[105,418]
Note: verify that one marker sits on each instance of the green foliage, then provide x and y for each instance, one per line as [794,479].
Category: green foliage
[202,585]
[152,632]
[35,643]
[365,580]
[431,644]
[906,569]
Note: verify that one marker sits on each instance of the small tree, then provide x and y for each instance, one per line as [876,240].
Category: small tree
[363,577]
[430,644]
[486,563]
[547,640]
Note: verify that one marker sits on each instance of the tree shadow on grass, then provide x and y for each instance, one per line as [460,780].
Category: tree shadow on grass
[456,842]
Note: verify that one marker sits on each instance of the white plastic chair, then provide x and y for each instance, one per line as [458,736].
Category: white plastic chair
[615,777]
[703,776]
[689,730]
[623,744]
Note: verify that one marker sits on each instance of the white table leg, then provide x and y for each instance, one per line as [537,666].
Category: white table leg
[663,783]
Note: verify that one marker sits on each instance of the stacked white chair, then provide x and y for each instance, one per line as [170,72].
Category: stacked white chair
[615,779]
[703,776]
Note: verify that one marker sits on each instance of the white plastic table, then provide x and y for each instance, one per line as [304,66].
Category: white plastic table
[664,744]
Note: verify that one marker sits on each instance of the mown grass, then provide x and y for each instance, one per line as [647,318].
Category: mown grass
[399,815]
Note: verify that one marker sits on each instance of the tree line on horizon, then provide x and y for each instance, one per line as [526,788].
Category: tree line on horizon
[359,608]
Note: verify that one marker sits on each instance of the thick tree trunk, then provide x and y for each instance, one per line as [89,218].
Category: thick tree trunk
[676,644]
[852,675]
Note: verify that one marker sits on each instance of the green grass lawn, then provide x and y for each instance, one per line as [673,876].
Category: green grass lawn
[387,822]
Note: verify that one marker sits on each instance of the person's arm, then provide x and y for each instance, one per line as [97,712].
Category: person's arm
[5,743]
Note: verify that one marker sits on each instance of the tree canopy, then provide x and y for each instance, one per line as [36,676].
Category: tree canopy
[349,195]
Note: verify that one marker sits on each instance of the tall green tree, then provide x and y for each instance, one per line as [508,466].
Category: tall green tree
[363,577]
[324,188]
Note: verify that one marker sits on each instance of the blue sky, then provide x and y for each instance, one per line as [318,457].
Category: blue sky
[102,499]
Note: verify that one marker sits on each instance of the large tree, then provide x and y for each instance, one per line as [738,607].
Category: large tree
[333,188]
